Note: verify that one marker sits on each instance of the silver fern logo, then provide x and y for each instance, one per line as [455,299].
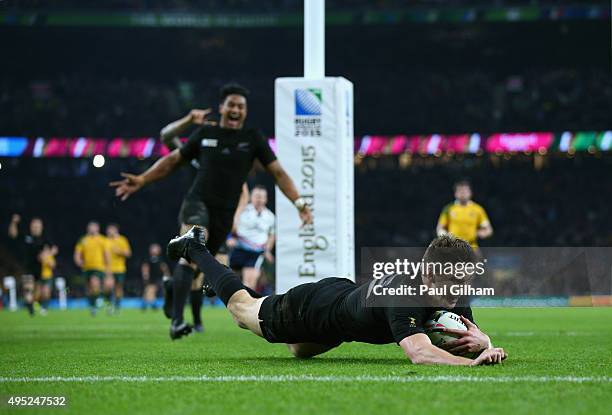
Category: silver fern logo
[308,101]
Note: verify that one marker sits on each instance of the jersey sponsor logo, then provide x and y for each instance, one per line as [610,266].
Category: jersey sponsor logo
[243,147]
[209,142]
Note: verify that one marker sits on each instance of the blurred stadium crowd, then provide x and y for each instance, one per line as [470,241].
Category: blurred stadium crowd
[461,78]
[437,102]
[258,6]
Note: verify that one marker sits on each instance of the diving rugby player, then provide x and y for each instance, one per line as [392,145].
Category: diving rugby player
[313,318]
[225,154]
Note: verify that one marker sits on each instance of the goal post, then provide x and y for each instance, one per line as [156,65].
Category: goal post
[314,139]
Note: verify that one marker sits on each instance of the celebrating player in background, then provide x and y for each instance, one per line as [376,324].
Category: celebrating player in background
[313,318]
[254,238]
[92,255]
[464,218]
[28,251]
[226,154]
[154,270]
[169,136]
[44,286]
[119,250]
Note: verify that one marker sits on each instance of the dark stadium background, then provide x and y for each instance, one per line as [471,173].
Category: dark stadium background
[410,78]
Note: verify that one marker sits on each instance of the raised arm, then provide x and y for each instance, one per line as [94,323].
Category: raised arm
[288,188]
[132,183]
[13,230]
[170,133]
[420,351]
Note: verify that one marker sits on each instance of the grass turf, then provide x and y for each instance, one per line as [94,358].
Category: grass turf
[566,342]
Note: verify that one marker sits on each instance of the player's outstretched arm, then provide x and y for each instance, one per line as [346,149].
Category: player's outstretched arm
[288,188]
[420,351]
[132,183]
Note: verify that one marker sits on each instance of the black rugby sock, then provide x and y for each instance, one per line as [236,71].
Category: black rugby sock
[196,305]
[222,279]
[181,285]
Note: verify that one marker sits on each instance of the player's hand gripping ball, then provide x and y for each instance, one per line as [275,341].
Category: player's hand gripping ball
[441,319]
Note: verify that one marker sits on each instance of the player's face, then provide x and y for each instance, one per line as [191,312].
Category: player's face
[36,227]
[93,228]
[259,198]
[233,111]
[154,250]
[112,231]
[463,193]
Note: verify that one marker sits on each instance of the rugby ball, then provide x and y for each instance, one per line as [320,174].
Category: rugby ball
[444,319]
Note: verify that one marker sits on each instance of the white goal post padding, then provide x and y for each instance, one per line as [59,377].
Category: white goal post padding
[314,139]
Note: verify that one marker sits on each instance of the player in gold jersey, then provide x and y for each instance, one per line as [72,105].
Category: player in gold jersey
[119,251]
[465,218]
[91,254]
[44,284]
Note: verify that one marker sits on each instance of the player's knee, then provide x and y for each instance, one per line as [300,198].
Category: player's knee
[242,308]
[299,351]
[238,311]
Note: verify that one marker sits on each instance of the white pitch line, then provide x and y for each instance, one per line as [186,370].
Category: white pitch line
[312,378]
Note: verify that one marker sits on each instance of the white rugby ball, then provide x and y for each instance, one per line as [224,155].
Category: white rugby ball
[443,319]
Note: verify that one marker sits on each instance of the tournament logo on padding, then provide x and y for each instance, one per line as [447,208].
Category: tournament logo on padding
[308,111]
[308,101]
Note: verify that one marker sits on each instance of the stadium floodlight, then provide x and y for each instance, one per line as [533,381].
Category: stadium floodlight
[314,136]
[98,160]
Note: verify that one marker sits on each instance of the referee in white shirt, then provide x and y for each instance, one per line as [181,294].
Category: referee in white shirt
[254,238]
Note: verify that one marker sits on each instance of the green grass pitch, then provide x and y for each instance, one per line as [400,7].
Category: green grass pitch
[560,363]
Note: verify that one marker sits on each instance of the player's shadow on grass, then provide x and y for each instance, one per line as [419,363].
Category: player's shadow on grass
[323,360]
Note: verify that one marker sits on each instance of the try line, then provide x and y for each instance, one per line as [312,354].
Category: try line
[312,378]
